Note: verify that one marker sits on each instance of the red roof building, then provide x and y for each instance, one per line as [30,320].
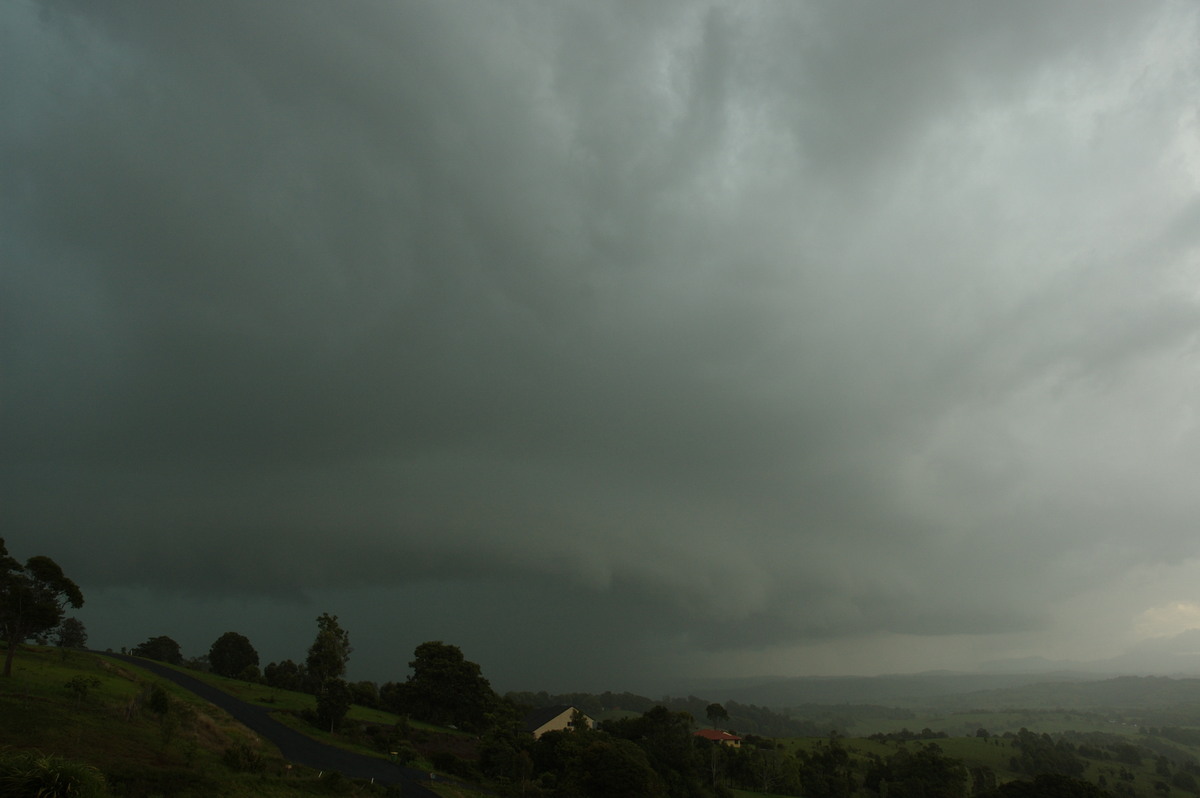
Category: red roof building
[722,737]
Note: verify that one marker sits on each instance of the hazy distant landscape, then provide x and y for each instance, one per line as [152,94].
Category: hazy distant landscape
[209,723]
[975,735]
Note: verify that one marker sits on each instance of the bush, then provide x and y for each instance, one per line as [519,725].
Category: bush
[405,753]
[336,783]
[36,775]
[244,757]
[80,685]
[158,700]
[1185,781]
[132,779]
[447,762]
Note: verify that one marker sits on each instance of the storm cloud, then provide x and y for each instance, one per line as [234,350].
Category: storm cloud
[688,337]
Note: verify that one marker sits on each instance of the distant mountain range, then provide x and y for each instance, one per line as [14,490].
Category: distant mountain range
[1177,656]
[902,690]
[1163,656]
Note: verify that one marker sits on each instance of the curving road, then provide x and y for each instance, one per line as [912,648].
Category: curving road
[294,746]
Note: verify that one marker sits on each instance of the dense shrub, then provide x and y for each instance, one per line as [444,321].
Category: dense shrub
[232,654]
[37,775]
[244,757]
[406,753]
[447,762]
[334,782]
[161,648]
[133,779]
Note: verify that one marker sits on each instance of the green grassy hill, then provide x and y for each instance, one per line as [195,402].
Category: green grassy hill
[106,720]
[146,735]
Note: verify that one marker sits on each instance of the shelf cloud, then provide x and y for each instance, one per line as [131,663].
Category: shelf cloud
[674,338]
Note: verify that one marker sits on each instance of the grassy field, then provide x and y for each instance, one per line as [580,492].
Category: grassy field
[286,707]
[448,790]
[286,700]
[277,700]
[996,753]
[110,721]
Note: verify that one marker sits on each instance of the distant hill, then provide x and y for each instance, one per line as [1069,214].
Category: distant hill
[765,708]
[1145,694]
[1175,655]
[912,690]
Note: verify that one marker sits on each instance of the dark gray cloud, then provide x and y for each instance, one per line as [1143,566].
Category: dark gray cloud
[694,333]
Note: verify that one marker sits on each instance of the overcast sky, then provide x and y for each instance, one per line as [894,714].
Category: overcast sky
[610,341]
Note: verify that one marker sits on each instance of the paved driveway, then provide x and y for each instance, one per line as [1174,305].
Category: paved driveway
[294,746]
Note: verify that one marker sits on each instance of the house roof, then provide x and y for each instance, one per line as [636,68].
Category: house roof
[543,715]
[716,735]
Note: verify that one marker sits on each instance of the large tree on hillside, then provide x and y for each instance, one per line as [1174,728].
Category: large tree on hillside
[33,598]
[231,654]
[716,713]
[161,648]
[333,702]
[672,750]
[328,654]
[446,688]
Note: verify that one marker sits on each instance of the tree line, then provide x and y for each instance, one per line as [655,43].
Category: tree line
[444,688]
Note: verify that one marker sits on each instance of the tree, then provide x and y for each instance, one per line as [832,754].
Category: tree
[446,688]
[199,663]
[333,702]
[231,654]
[670,747]
[394,697]
[285,675]
[161,648]
[1047,784]
[716,712]
[826,770]
[926,773]
[71,633]
[1040,754]
[610,767]
[328,654]
[1184,781]
[718,756]
[33,598]
[365,694]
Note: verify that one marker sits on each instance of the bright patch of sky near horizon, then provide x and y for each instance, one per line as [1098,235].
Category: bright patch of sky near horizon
[1168,619]
[679,339]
